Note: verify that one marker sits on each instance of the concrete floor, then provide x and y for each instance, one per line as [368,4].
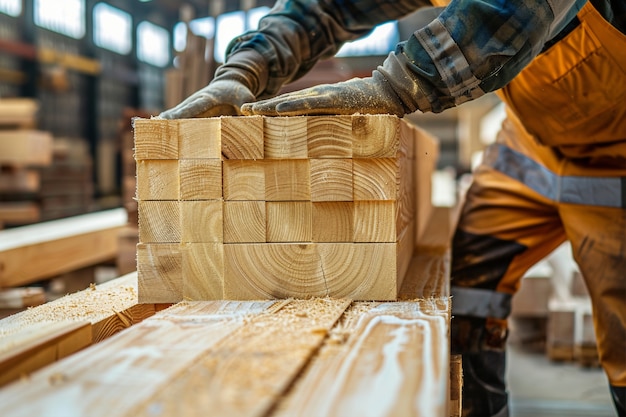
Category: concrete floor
[542,388]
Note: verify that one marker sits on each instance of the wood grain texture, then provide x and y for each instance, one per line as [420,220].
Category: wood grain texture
[388,359]
[288,180]
[329,137]
[200,179]
[285,137]
[244,180]
[39,251]
[199,139]
[159,221]
[244,222]
[333,221]
[375,221]
[355,271]
[201,221]
[242,137]
[376,179]
[375,136]
[331,180]
[155,139]
[289,221]
[203,271]
[426,155]
[157,179]
[159,271]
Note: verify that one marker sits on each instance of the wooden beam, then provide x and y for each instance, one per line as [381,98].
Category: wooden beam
[244,180]
[289,221]
[159,221]
[242,138]
[201,222]
[333,221]
[376,179]
[25,147]
[19,212]
[159,270]
[331,180]
[244,222]
[375,136]
[285,137]
[288,180]
[198,139]
[329,137]
[203,271]
[200,179]
[156,139]
[158,180]
[35,252]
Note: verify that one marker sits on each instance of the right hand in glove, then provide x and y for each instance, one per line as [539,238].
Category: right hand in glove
[236,82]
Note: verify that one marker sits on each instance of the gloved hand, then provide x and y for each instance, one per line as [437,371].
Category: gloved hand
[371,95]
[236,82]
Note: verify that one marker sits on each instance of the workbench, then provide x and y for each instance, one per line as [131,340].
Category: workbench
[316,357]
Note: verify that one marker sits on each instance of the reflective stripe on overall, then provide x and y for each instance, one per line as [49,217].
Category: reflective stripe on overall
[564,182]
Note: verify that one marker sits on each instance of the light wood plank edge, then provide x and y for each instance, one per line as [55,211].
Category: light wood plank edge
[54,341]
[456,386]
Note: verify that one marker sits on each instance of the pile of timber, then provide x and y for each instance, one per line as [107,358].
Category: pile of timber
[22,149]
[257,207]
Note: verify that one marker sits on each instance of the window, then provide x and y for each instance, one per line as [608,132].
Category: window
[111,28]
[231,25]
[11,7]
[62,16]
[153,44]
[204,26]
[382,40]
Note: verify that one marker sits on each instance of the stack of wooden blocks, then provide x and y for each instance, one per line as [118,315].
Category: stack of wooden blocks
[257,207]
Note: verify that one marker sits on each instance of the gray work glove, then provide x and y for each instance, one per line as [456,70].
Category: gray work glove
[392,89]
[236,82]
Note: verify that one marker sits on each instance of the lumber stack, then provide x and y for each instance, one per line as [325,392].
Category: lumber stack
[258,207]
[22,150]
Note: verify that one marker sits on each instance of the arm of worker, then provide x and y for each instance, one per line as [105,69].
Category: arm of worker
[471,48]
[289,41]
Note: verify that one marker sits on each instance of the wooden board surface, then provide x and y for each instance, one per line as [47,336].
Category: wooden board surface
[25,147]
[250,181]
[39,251]
[319,357]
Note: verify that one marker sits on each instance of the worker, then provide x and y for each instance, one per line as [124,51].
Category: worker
[556,172]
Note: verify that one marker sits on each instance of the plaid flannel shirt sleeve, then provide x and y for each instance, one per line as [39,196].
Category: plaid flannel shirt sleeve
[473,47]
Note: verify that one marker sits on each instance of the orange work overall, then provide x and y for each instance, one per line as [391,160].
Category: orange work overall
[556,172]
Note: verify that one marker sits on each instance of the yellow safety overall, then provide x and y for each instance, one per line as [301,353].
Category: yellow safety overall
[556,172]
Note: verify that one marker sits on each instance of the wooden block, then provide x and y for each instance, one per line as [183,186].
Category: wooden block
[282,270]
[375,179]
[200,139]
[375,136]
[244,180]
[375,221]
[242,137]
[157,179]
[159,271]
[159,221]
[331,180]
[333,221]
[244,222]
[329,137]
[201,221]
[156,139]
[426,155]
[289,221]
[19,180]
[285,137]
[19,212]
[288,180]
[200,179]
[25,147]
[203,271]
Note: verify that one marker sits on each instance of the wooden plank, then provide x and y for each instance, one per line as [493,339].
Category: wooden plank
[158,180]
[159,269]
[387,359]
[39,336]
[18,112]
[331,180]
[376,179]
[333,221]
[426,155]
[329,137]
[19,212]
[244,222]
[375,136]
[25,147]
[242,138]
[199,138]
[375,221]
[356,271]
[19,180]
[203,271]
[285,137]
[156,139]
[200,179]
[129,367]
[201,222]
[159,221]
[35,252]
[288,180]
[244,180]
[289,221]
[456,386]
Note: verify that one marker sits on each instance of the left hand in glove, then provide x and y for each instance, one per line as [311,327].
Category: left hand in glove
[372,95]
